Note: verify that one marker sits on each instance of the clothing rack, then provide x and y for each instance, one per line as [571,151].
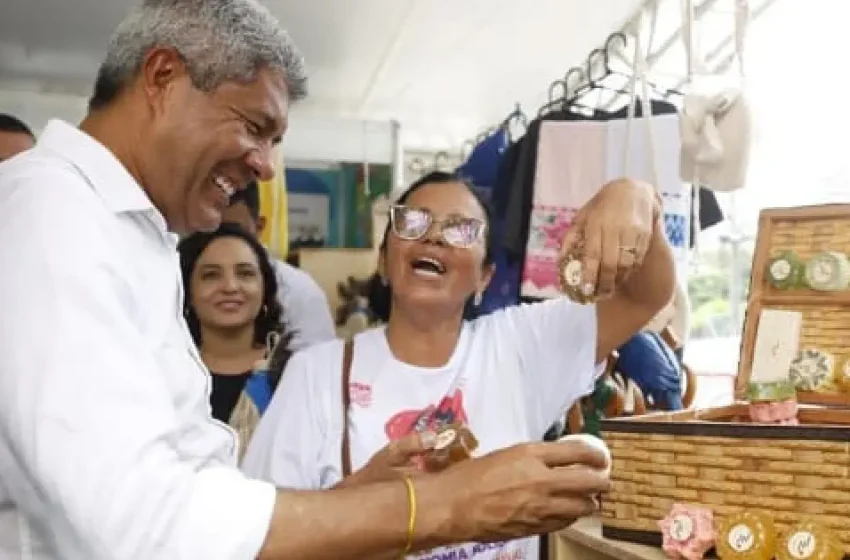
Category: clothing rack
[572,89]
[592,75]
[516,117]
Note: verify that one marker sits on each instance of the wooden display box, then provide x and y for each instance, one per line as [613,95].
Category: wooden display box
[716,457]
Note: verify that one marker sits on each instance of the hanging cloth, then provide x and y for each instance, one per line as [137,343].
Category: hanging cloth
[274,210]
[485,169]
[716,128]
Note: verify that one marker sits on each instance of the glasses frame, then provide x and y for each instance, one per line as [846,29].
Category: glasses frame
[441,224]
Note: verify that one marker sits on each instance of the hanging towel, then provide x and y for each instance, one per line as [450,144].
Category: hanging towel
[569,172]
[675,194]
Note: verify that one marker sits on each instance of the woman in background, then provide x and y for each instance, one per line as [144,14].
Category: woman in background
[233,314]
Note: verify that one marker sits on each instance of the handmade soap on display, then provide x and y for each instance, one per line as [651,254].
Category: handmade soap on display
[570,272]
[781,412]
[809,541]
[828,271]
[687,532]
[785,271]
[454,443]
[812,370]
[748,535]
[770,390]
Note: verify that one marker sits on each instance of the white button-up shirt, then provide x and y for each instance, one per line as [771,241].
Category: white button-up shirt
[107,447]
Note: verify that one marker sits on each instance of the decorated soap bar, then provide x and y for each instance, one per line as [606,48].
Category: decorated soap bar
[746,535]
[777,341]
[688,532]
[809,540]
[812,370]
[771,391]
[785,271]
[828,271]
[571,272]
[453,444]
[778,412]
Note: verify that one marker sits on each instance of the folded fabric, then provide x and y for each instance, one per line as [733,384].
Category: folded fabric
[716,137]
[648,361]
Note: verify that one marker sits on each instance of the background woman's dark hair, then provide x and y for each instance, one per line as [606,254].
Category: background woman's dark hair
[380,296]
[270,318]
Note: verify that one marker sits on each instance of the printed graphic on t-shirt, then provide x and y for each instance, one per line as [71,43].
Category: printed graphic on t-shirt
[449,411]
[512,550]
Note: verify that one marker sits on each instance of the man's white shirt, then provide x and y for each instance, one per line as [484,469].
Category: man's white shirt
[107,447]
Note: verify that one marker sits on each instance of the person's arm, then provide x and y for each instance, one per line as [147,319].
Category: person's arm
[368,521]
[636,301]
[89,414]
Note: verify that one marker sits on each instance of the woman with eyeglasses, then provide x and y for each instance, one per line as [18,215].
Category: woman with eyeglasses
[345,409]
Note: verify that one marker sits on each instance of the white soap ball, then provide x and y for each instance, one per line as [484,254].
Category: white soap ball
[595,442]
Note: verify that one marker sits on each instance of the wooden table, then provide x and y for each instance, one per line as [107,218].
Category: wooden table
[583,541]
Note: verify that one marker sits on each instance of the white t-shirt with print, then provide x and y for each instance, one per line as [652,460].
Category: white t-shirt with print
[513,374]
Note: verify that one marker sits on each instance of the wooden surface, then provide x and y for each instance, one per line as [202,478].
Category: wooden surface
[583,541]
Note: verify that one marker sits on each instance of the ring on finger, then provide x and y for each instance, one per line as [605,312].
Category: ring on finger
[630,250]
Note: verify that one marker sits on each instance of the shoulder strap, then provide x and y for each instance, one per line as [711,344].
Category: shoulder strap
[347,353]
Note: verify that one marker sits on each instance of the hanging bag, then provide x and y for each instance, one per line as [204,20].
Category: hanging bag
[715,128]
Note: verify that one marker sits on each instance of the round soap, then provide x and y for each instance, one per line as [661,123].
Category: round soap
[570,272]
[771,391]
[785,270]
[746,536]
[595,442]
[828,271]
[812,370]
[809,540]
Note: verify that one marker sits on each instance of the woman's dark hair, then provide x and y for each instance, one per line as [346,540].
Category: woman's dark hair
[380,295]
[270,318]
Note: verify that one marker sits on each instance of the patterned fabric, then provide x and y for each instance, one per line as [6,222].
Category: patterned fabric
[253,401]
[676,227]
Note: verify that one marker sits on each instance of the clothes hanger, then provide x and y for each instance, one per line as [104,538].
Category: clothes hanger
[571,101]
[594,84]
[608,50]
[516,117]
[553,101]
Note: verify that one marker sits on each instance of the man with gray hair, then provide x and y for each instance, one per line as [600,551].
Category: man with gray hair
[107,447]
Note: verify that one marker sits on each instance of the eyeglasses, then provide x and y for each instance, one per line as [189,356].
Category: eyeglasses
[411,224]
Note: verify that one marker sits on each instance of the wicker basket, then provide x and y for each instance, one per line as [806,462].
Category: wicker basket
[716,457]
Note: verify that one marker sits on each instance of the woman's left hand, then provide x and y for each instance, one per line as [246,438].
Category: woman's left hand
[615,230]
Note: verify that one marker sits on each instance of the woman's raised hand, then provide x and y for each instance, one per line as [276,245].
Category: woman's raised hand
[614,231]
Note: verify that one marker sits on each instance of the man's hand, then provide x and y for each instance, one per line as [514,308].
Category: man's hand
[523,490]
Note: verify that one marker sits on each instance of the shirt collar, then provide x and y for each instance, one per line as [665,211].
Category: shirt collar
[101,169]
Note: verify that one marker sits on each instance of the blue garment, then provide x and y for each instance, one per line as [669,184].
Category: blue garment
[485,169]
[258,387]
[648,361]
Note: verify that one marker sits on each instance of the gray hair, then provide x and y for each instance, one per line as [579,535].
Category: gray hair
[219,40]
